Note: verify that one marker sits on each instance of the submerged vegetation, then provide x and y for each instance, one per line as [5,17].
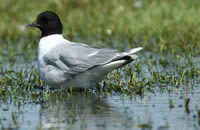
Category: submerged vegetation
[168,30]
[165,28]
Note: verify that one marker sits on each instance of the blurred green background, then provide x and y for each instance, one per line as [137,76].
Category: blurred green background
[161,26]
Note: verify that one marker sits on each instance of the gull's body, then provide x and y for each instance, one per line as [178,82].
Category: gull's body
[66,64]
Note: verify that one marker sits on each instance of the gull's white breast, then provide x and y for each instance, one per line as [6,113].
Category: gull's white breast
[49,73]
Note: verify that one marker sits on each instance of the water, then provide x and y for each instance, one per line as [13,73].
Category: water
[88,111]
[164,107]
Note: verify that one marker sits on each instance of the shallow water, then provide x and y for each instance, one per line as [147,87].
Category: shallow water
[162,107]
[88,111]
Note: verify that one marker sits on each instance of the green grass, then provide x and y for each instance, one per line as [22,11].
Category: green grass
[159,26]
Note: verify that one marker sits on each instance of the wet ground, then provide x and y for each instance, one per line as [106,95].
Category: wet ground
[169,99]
[159,110]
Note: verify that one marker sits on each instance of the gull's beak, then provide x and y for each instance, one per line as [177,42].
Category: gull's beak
[34,24]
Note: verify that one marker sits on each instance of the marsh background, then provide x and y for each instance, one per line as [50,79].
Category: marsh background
[158,91]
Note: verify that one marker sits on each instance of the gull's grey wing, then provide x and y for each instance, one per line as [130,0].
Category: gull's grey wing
[77,58]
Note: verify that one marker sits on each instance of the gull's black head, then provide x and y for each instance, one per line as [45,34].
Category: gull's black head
[48,22]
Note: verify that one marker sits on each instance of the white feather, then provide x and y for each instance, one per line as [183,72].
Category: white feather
[132,51]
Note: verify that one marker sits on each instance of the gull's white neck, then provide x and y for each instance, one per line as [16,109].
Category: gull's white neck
[49,42]
[52,39]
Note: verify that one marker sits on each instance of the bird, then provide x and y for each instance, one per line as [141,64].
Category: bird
[65,64]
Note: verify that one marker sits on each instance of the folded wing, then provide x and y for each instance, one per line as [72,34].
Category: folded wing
[78,58]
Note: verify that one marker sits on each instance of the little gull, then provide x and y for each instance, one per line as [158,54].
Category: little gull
[66,64]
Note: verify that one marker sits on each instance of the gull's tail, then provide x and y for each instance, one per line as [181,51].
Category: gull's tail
[125,58]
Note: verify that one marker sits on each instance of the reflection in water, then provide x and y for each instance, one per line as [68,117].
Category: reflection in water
[86,111]
[80,111]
